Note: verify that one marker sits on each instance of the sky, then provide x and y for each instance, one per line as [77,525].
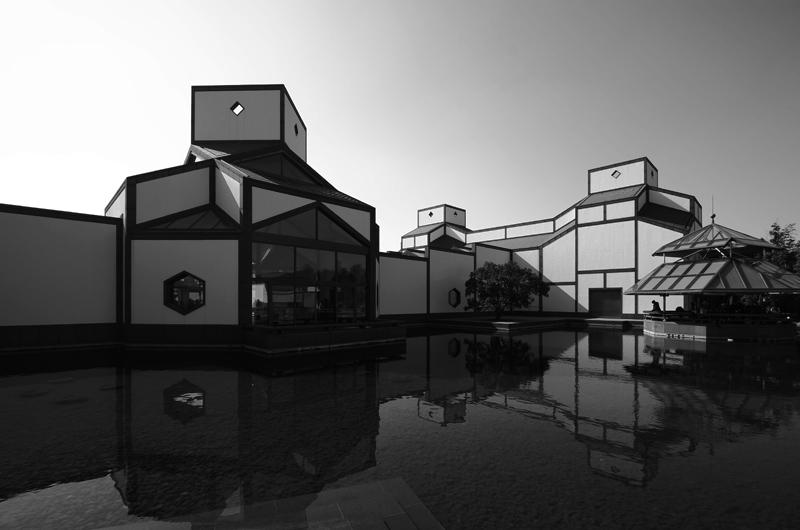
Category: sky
[497,107]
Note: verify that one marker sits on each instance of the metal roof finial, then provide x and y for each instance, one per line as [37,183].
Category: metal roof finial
[713,215]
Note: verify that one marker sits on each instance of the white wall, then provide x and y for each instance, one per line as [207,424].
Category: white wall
[357,219]
[670,200]
[430,216]
[561,298]
[630,174]
[541,227]
[623,280]
[591,214]
[486,235]
[268,203]
[607,246]
[296,142]
[402,286]
[448,270]
[527,258]
[117,208]
[484,254]
[457,216]
[228,192]
[558,259]
[214,261]
[586,282]
[57,271]
[565,218]
[651,237]
[174,193]
[260,120]
[619,210]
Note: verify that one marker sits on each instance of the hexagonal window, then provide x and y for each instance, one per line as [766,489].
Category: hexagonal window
[184,401]
[184,292]
[454,297]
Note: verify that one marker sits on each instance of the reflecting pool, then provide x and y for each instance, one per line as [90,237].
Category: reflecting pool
[572,429]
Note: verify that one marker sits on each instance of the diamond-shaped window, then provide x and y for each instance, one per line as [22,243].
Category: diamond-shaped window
[616,174]
[237,108]
[184,292]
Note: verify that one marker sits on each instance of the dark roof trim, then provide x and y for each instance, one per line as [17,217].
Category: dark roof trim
[59,214]
[116,195]
[440,205]
[310,195]
[400,255]
[609,166]
[167,172]
[223,88]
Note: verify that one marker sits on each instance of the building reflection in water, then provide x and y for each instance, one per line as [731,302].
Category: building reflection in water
[215,444]
[629,400]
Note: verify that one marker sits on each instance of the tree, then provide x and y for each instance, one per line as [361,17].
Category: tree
[788,255]
[500,288]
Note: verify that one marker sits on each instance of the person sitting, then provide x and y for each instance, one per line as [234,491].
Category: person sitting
[656,307]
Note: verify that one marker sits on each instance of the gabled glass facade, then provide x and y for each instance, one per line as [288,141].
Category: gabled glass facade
[307,268]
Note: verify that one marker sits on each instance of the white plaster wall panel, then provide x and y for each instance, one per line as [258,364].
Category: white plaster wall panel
[214,261]
[619,210]
[456,216]
[228,191]
[421,241]
[260,119]
[456,234]
[651,174]
[295,140]
[561,298]
[268,203]
[485,254]
[56,271]
[117,208]
[171,194]
[528,259]
[629,175]
[407,242]
[403,286]
[591,214]
[436,234]
[558,259]
[670,200]
[358,220]
[430,216]
[448,270]
[607,246]
[543,227]
[623,280]
[487,235]
[565,218]
[586,282]
[652,237]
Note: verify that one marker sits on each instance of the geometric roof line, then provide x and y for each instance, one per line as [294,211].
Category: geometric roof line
[202,218]
[709,237]
[739,275]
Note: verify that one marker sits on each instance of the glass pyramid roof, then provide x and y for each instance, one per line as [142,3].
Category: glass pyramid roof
[720,276]
[708,237]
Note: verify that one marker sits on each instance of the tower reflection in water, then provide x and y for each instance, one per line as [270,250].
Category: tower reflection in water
[629,399]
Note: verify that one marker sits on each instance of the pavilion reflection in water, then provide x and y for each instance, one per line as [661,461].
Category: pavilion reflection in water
[630,399]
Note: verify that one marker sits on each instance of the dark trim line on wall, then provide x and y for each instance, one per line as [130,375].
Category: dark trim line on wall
[402,256]
[636,263]
[626,162]
[246,256]
[130,211]
[604,271]
[428,284]
[612,221]
[212,185]
[120,265]
[170,171]
[59,214]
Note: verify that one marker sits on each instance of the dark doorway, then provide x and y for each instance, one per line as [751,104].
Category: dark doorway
[605,302]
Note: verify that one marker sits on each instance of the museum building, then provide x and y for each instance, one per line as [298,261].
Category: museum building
[245,235]
[589,253]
